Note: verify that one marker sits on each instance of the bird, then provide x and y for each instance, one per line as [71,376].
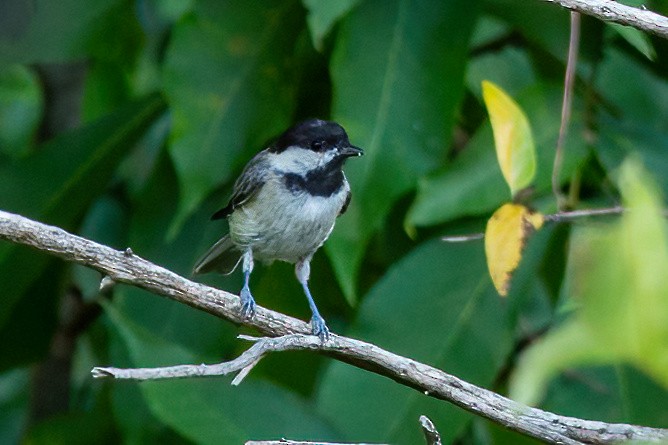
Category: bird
[284,206]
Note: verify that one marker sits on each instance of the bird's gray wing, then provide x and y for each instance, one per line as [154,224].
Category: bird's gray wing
[247,185]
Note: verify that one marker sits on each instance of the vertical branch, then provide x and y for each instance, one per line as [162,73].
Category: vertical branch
[569,82]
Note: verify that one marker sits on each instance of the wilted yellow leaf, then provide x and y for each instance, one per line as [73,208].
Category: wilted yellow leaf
[505,237]
[513,140]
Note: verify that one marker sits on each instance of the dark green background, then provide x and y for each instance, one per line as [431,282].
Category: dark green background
[127,122]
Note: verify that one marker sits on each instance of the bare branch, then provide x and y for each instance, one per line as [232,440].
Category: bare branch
[611,11]
[133,270]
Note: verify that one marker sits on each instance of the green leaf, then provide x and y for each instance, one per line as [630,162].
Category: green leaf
[170,10]
[438,306]
[617,275]
[21,107]
[45,31]
[37,312]
[510,67]
[399,105]
[619,139]
[513,139]
[488,29]
[636,124]
[323,15]
[636,38]
[58,182]
[211,410]
[643,102]
[231,86]
[14,403]
[542,24]
[617,394]
[105,89]
[472,183]
[94,425]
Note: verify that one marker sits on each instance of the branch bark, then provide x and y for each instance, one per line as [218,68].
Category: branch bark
[126,267]
[611,11]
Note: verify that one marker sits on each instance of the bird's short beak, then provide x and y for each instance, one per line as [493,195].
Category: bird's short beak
[351,151]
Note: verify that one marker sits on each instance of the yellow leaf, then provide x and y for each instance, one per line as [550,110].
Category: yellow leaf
[513,139]
[507,232]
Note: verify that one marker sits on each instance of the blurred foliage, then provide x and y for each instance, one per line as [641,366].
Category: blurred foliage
[616,278]
[176,96]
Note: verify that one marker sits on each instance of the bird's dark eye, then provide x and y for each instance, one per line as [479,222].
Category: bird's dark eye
[318,145]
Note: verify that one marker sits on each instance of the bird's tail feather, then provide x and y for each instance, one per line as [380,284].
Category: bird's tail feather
[222,257]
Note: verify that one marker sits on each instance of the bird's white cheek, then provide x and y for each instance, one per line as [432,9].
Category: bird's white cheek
[326,157]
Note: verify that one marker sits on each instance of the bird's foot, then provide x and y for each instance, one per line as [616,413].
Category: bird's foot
[247,304]
[319,328]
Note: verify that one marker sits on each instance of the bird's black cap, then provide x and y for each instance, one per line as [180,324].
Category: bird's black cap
[312,134]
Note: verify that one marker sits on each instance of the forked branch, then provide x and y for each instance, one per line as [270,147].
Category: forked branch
[126,267]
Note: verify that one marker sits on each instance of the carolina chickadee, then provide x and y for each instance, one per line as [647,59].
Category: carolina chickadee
[284,206]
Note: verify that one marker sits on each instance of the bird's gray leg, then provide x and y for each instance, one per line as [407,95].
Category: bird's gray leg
[318,325]
[247,301]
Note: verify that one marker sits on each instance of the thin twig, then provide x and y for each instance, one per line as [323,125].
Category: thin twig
[242,364]
[136,271]
[611,11]
[431,435]
[463,238]
[566,106]
[554,217]
[576,214]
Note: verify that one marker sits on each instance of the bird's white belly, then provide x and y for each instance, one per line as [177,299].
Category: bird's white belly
[285,229]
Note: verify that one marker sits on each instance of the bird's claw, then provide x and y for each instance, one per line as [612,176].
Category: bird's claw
[247,304]
[319,328]
[248,310]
